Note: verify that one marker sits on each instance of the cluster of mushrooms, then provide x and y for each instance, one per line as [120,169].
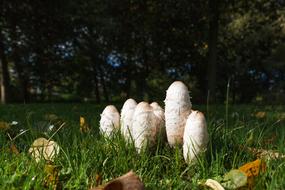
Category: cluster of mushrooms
[145,123]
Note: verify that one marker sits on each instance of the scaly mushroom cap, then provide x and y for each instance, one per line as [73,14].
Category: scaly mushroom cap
[110,120]
[44,149]
[177,109]
[195,136]
[127,113]
[178,92]
[144,129]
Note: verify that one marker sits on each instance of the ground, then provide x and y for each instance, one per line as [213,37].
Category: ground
[86,158]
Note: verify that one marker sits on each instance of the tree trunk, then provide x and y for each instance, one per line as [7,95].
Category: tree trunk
[212,54]
[5,78]
[102,81]
[97,93]
[23,79]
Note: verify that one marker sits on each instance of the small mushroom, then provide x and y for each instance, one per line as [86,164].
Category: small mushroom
[110,120]
[196,136]
[44,149]
[144,126]
[127,113]
[177,109]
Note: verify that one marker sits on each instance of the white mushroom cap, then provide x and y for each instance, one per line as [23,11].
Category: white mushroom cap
[110,120]
[195,136]
[178,92]
[144,129]
[177,109]
[127,113]
[129,104]
[44,149]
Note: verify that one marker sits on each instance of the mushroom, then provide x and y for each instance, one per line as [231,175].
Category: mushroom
[160,120]
[110,120]
[127,113]
[44,149]
[195,137]
[177,109]
[144,128]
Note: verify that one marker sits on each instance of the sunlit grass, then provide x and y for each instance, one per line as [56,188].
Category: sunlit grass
[83,156]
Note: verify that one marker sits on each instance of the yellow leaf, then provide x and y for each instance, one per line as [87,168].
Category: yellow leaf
[253,169]
[84,127]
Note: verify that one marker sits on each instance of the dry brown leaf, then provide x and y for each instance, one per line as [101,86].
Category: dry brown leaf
[129,181]
[265,154]
[213,184]
[84,127]
[99,179]
[52,176]
[14,149]
[4,126]
[260,114]
[281,116]
[44,149]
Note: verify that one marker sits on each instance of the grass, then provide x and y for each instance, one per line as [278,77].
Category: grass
[84,156]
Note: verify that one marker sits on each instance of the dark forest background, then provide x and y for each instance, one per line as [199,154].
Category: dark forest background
[108,50]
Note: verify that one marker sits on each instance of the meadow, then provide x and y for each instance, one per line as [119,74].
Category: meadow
[86,159]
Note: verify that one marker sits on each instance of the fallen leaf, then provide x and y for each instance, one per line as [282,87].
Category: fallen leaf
[44,149]
[4,126]
[213,184]
[51,117]
[281,116]
[52,175]
[98,179]
[14,149]
[264,154]
[84,127]
[234,179]
[270,140]
[129,181]
[252,169]
[260,114]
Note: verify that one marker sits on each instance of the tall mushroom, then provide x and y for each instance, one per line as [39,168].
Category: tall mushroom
[195,137]
[159,120]
[127,113]
[144,129]
[177,109]
[110,120]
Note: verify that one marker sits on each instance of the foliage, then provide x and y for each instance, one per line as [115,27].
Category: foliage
[99,50]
